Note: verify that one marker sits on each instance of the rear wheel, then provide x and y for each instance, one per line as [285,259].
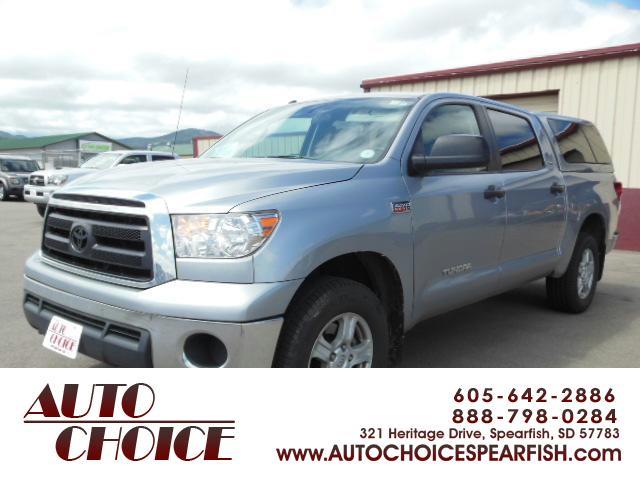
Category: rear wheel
[41,210]
[334,323]
[574,291]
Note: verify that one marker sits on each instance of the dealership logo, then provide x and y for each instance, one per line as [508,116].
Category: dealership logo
[113,423]
[79,238]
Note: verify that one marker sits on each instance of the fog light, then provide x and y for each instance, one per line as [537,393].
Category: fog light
[204,351]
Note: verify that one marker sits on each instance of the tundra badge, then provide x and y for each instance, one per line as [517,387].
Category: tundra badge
[463,267]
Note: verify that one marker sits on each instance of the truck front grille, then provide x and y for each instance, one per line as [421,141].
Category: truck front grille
[113,244]
[36,180]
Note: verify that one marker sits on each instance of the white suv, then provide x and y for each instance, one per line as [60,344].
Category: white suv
[44,182]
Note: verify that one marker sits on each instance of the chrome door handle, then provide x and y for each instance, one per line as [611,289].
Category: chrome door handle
[492,192]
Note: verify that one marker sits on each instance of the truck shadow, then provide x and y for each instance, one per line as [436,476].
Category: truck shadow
[518,329]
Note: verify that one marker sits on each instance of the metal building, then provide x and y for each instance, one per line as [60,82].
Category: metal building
[601,85]
[57,151]
[203,143]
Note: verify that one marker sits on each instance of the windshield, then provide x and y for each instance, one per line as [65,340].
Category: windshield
[352,130]
[104,160]
[19,166]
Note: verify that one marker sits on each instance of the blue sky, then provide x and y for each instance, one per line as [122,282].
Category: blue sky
[626,3]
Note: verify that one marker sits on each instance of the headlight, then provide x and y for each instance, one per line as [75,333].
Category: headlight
[14,180]
[57,179]
[222,236]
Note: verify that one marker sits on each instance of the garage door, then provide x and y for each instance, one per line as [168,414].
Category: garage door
[546,102]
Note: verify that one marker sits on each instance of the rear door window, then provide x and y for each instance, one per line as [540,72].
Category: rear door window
[159,158]
[133,159]
[517,143]
[572,141]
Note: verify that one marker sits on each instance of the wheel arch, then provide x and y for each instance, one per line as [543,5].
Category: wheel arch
[377,272]
[594,223]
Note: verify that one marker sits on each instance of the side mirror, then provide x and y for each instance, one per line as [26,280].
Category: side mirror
[450,152]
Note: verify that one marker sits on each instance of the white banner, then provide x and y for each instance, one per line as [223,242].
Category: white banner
[409,423]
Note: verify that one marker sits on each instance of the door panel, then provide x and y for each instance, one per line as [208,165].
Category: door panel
[535,214]
[535,200]
[457,239]
[458,224]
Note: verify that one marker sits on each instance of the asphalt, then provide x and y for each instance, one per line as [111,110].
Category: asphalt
[516,329]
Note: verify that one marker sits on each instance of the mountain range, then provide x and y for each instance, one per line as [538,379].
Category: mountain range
[183,136]
[141,143]
[10,135]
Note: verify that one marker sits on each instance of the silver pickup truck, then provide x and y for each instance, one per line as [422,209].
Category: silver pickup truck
[316,234]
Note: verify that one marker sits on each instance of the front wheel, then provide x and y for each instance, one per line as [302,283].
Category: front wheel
[41,210]
[3,193]
[574,291]
[334,323]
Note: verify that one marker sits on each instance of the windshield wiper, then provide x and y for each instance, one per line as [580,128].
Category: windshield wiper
[286,156]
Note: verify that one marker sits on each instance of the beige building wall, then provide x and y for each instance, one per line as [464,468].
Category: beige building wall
[605,92]
[201,145]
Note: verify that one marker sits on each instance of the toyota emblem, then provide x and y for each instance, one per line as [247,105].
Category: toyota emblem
[79,238]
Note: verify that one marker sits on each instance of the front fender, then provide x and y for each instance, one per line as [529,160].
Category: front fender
[324,222]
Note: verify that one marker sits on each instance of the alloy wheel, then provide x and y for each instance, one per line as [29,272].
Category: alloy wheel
[345,342]
[586,273]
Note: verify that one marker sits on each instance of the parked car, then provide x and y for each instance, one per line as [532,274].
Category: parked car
[44,182]
[317,234]
[14,173]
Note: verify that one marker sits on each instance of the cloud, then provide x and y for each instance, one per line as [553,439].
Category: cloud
[120,70]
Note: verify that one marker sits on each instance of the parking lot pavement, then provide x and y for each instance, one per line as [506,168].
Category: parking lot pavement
[515,329]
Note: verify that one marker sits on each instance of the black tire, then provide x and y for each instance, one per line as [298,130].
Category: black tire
[4,195]
[41,210]
[563,292]
[315,306]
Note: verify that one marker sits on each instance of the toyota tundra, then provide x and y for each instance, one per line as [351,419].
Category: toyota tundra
[318,233]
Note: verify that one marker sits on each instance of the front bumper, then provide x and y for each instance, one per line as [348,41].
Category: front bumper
[14,190]
[38,194]
[149,327]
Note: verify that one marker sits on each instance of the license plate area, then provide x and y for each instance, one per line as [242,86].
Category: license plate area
[63,337]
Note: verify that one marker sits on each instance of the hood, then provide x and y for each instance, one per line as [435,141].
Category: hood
[22,175]
[71,173]
[213,185]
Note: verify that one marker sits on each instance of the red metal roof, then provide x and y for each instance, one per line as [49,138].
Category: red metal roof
[509,66]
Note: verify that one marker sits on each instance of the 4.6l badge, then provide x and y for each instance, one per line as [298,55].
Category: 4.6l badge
[401,207]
